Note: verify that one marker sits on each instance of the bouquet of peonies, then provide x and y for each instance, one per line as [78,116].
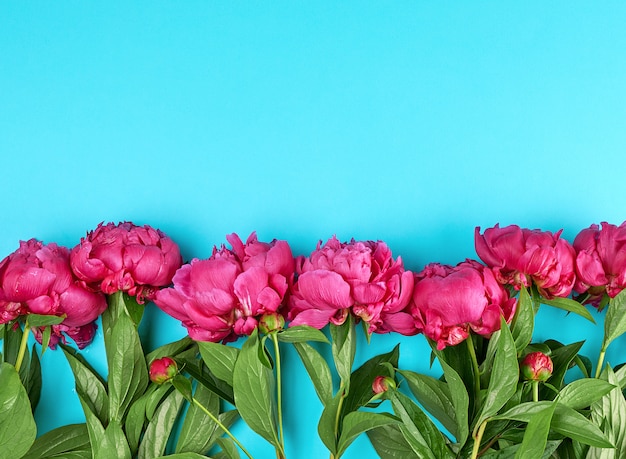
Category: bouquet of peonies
[500,395]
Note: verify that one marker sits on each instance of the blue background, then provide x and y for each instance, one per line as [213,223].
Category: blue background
[409,122]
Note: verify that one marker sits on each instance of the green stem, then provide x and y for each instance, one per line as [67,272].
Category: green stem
[478,438]
[23,346]
[600,361]
[472,351]
[338,417]
[279,391]
[221,426]
[535,385]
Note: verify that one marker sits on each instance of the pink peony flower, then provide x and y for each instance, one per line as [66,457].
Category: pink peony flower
[226,295]
[520,256]
[536,366]
[126,257]
[37,279]
[382,384]
[163,370]
[450,301]
[601,261]
[360,278]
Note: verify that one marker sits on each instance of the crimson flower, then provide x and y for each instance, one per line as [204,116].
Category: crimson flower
[37,279]
[225,296]
[601,261]
[449,301]
[536,366]
[125,257]
[359,278]
[162,370]
[519,256]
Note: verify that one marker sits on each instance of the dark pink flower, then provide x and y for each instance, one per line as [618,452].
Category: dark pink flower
[125,257]
[449,301]
[601,260]
[520,256]
[37,279]
[382,384]
[163,370]
[359,278]
[536,366]
[224,296]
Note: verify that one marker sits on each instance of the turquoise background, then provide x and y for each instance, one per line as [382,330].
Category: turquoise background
[409,122]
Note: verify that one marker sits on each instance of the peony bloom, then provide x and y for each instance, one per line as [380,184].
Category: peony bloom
[126,257]
[382,384]
[359,278]
[37,279]
[536,366]
[601,260]
[520,256]
[450,301]
[226,295]
[163,370]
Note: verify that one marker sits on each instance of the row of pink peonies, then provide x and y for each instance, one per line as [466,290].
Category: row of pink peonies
[257,283]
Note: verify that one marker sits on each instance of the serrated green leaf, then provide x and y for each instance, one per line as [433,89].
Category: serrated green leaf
[301,334]
[160,427]
[357,422]
[219,359]
[253,386]
[17,426]
[63,439]
[582,393]
[569,305]
[318,371]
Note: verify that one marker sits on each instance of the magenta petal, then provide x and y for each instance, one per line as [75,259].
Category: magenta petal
[313,318]
[368,293]
[325,289]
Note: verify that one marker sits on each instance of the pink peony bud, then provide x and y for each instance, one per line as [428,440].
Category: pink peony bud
[163,370]
[382,384]
[536,366]
[125,257]
[271,322]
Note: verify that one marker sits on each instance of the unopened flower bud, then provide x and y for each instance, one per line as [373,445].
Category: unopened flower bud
[163,370]
[271,322]
[536,366]
[382,384]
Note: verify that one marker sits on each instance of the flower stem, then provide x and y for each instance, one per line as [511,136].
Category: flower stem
[221,426]
[279,396]
[535,385]
[600,361]
[22,350]
[472,351]
[478,438]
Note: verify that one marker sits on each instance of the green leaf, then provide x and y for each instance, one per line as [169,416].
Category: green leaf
[128,374]
[389,442]
[45,339]
[318,371]
[37,320]
[183,385]
[60,440]
[88,385]
[562,357]
[253,385]
[504,376]
[343,339]
[510,451]
[11,344]
[327,426]
[94,428]
[187,455]
[570,305]
[615,320]
[136,420]
[229,450]
[460,401]
[582,393]
[522,324]
[198,428]
[170,349]
[220,359]
[114,444]
[421,434]
[301,334]
[160,427]
[17,426]
[523,412]
[357,422]
[32,382]
[536,435]
[572,424]
[154,399]
[199,371]
[361,380]
[610,413]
